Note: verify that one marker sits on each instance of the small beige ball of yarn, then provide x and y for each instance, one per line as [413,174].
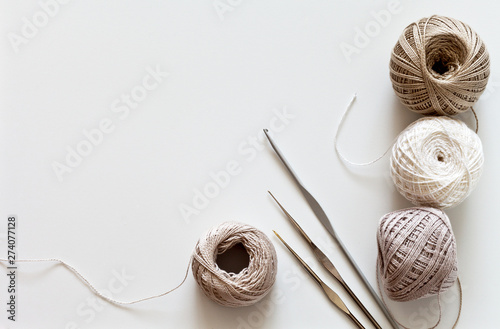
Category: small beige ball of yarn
[417,253]
[439,66]
[436,162]
[235,289]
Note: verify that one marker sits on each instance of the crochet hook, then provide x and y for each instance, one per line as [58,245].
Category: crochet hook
[325,261]
[323,218]
[334,298]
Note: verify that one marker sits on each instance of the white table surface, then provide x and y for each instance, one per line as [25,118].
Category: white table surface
[224,70]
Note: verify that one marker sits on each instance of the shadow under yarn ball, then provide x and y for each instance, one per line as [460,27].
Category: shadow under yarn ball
[439,66]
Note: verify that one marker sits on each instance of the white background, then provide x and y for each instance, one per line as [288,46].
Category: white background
[229,74]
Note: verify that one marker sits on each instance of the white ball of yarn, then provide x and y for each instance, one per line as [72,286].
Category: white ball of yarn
[249,285]
[436,162]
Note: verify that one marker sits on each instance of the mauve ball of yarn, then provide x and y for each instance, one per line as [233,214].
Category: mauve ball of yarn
[249,285]
[439,66]
[417,253]
[436,162]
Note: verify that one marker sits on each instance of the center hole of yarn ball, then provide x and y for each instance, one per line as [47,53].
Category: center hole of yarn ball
[445,54]
[234,259]
[440,158]
[440,67]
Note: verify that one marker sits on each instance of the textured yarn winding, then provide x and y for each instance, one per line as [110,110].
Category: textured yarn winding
[436,162]
[235,289]
[439,66]
[417,253]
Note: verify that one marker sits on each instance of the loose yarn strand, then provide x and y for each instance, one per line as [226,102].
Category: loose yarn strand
[363,164]
[460,305]
[94,290]
[475,117]
[228,289]
[436,161]
[335,141]
[439,303]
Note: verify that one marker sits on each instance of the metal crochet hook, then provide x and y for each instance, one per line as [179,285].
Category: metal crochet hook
[334,298]
[323,218]
[325,261]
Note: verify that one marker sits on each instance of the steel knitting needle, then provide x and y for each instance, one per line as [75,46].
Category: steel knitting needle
[325,261]
[323,218]
[334,298]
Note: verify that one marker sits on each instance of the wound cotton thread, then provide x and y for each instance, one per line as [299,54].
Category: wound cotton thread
[417,255]
[228,289]
[235,289]
[439,66]
[436,162]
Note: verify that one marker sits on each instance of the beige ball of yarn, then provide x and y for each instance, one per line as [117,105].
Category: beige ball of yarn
[235,289]
[436,162]
[439,66]
[417,253]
